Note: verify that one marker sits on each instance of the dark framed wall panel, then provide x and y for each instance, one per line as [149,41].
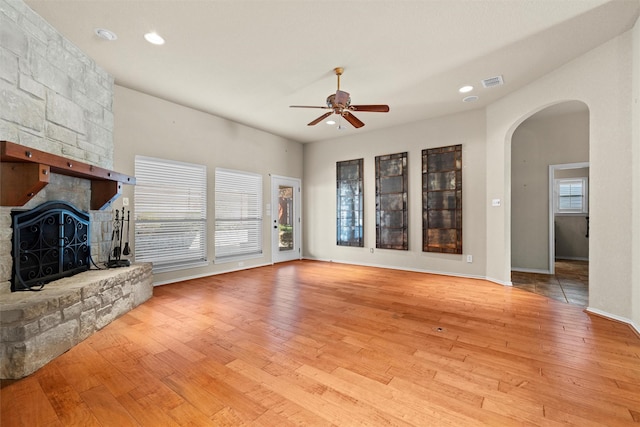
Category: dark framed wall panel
[442,199]
[350,203]
[391,202]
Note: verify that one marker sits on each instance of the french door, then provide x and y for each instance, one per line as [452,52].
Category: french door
[285,219]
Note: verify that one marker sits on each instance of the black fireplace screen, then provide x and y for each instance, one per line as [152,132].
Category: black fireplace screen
[49,242]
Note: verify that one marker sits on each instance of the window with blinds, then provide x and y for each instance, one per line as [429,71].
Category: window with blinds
[170,213]
[238,232]
[571,195]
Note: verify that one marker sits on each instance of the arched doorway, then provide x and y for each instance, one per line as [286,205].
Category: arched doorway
[549,203]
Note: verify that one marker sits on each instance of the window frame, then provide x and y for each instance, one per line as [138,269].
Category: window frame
[392,226]
[583,209]
[442,200]
[164,189]
[255,213]
[350,203]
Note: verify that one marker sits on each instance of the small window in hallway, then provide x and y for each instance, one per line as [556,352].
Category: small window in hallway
[571,195]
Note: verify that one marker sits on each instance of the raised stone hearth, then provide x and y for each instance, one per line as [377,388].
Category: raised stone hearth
[36,327]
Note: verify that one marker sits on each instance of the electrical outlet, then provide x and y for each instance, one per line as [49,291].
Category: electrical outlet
[125,201]
[469,258]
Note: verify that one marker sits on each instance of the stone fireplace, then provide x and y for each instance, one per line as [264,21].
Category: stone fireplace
[56,131]
[52,241]
[57,100]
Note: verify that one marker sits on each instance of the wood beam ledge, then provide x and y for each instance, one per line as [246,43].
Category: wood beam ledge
[25,171]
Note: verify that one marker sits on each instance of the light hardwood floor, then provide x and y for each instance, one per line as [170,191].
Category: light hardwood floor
[314,343]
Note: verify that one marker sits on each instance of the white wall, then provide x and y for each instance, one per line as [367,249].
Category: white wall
[149,126]
[320,193]
[601,79]
[536,144]
[635,194]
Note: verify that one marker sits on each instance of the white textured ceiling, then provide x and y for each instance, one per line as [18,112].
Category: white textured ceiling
[247,61]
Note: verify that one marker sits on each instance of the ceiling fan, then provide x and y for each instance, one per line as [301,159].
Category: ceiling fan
[340,103]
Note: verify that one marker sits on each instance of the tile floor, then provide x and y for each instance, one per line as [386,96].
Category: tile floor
[570,284]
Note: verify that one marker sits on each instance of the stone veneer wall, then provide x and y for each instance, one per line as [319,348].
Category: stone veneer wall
[56,99]
[36,327]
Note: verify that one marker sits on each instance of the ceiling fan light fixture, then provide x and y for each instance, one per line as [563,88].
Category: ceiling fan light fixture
[340,103]
[330,122]
[465,89]
[154,38]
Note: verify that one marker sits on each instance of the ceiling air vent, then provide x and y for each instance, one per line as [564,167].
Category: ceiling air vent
[493,81]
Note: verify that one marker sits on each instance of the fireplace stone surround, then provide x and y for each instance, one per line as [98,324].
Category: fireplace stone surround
[62,106]
[36,327]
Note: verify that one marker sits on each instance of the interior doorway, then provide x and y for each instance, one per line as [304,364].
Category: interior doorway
[286,219]
[568,213]
[549,148]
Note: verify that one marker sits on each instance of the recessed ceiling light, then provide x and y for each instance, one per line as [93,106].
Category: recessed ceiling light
[465,89]
[154,38]
[330,122]
[106,34]
[471,98]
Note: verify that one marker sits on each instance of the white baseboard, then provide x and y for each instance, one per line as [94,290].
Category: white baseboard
[416,270]
[530,270]
[572,258]
[200,276]
[499,282]
[614,317]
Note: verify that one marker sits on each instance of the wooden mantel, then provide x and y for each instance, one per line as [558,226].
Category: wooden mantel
[25,171]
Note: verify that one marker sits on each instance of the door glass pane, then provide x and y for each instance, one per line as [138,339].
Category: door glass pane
[285,218]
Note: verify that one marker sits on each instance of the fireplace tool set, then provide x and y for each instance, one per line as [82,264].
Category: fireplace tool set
[117,251]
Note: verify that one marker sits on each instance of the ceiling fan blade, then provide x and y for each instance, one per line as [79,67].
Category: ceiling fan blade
[357,123]
[308,106]
[321,118]
[371,108]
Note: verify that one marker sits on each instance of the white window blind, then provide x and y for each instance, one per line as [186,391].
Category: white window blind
[238,233]
[170,213]
[571,195]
